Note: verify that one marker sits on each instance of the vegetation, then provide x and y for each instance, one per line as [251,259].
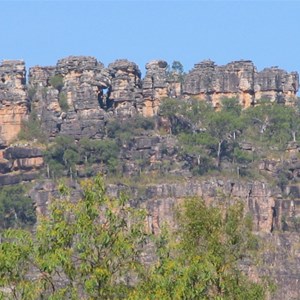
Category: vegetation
[202,260]
[63,102]
[64,154]
[82,250]
[91,249]
[16,209]
[31,129]
[207,137]
[57,81]
[125,130]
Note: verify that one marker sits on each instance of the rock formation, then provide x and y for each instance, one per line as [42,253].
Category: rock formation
[79,97]
[13,99]
[125,92]
[74,106]
[155,86]
[19,164]
[79,94]
[240,79]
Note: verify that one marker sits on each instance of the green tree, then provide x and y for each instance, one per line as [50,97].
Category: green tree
[57,81]
[62,154]
[85,249]
[100,151]
[31,129]
[125,130]
[177,67]
[16,209]
[222,126]
[193,148]
[202,260]
[274,124]
[63,102]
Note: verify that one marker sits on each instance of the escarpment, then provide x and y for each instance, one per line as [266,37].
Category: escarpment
[13,99]
[76,96]
[240,79]
[95,119]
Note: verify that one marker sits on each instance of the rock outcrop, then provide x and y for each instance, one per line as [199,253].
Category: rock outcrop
[125,91]
[155,86]
[13,99]
[18,164]
[68,98]
[161,199]
[240,79]
[78,95]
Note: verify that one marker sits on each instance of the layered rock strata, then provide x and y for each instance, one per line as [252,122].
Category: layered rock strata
[13,99]
[73,106]
[18,164]
[125,92]
[240,79]
[89,93]
[155,86]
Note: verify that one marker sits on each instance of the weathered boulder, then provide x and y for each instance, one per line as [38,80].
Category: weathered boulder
[15,178]
[13,99]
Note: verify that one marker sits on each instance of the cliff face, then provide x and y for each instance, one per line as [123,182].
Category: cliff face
[279,249]
[79,96]
[13,99]
[241,80]
[89,93]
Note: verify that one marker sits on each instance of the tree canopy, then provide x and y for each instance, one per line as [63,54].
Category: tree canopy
[91,248]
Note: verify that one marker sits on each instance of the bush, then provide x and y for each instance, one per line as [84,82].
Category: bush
[16,209]
[31,129]
[124,130]
[63,102]
[57,82]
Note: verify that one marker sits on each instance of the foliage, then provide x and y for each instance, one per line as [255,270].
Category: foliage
[193,150]
[202,261]
[185,116]
[16,209]
[124,130]
[81,250]
[274,124]
[177,67]
[91,249]
[63,102]
[65,153]
[61,155]
[31,129]
[57,81]
[99,151]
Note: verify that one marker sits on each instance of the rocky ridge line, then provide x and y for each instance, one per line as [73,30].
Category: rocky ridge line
[90,93]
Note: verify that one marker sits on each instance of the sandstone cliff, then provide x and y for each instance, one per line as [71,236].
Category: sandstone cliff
[240,79]
[80,97]
[89,93]
[13,99]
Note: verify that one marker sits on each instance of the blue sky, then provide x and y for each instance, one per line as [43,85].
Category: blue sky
[41,32]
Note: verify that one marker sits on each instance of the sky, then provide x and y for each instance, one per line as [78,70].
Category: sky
[41,32]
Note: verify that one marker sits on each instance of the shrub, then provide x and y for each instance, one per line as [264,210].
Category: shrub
[16,209]
[57,81]
[63,102]
[124,130]
[31,129]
